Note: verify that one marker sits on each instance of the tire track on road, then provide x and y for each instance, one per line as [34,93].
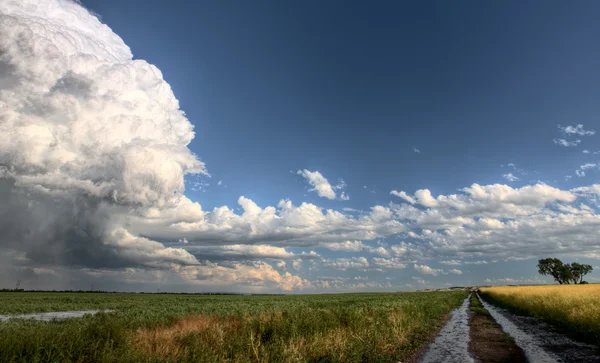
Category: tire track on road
[451,345]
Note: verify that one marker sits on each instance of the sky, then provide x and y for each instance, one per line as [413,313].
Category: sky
[297,147]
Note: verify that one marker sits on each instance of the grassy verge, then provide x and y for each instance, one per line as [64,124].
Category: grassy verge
[573,308]
[476,306]
[310,328]
[488,342]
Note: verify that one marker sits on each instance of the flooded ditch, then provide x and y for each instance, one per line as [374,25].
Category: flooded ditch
[52,315]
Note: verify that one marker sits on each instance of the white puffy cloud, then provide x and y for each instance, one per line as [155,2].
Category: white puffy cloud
[501,222]
[404,196]
[319,183]
[297,264]
[567,143]
[344,264]
[424,197]
[289,225]
[510,177]
[419,281]
[322,186]
[363,264]
[259,274]
[426,270]
[587,166]
[356,283]
[576,130]
[480,262]
[451,263]
[481,201]
[400,250]
[239,252]
[381,251]
[533,195]
[388,263]
[349,246]
[589,190]
[490,221]
[340,185]
[258,250]
[358,246]
[291,282]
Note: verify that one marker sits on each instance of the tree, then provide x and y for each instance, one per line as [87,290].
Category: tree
[579,270]
[563,273]
[566,274]
[555,268]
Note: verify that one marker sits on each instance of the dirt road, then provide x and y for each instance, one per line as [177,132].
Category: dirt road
[501,336]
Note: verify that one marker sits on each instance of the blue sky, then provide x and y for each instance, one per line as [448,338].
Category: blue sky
[352,89]
[456,140]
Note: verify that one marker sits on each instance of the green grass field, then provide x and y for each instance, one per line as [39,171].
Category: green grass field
[376,327]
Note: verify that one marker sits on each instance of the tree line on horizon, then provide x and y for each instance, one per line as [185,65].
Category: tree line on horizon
[564,273]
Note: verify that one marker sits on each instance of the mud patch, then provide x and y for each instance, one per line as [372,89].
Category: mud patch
[452,343]
[542,342]
[488,342]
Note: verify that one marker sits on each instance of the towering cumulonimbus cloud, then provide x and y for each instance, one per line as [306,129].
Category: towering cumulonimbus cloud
[87,134]
[93,154]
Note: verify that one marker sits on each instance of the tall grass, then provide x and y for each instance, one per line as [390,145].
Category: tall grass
[383,327]
[574,308]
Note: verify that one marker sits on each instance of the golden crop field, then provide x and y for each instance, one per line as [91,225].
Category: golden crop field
[575,308]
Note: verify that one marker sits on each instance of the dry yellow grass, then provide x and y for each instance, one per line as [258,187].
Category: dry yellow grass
[165,342]
[572,307]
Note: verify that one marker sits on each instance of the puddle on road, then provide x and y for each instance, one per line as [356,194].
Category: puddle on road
[53,315]
[452,343]
[541,342]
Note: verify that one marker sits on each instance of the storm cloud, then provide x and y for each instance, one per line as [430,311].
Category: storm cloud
[93,158]
[87,134]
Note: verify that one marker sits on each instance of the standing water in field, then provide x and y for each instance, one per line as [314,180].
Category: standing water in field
[452,343]
[52,316]
[541,342]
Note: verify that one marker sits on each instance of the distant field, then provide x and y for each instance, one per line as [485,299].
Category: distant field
[305,328]
[575,308]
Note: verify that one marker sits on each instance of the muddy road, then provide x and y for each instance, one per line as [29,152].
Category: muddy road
[540,342]
[452,342]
